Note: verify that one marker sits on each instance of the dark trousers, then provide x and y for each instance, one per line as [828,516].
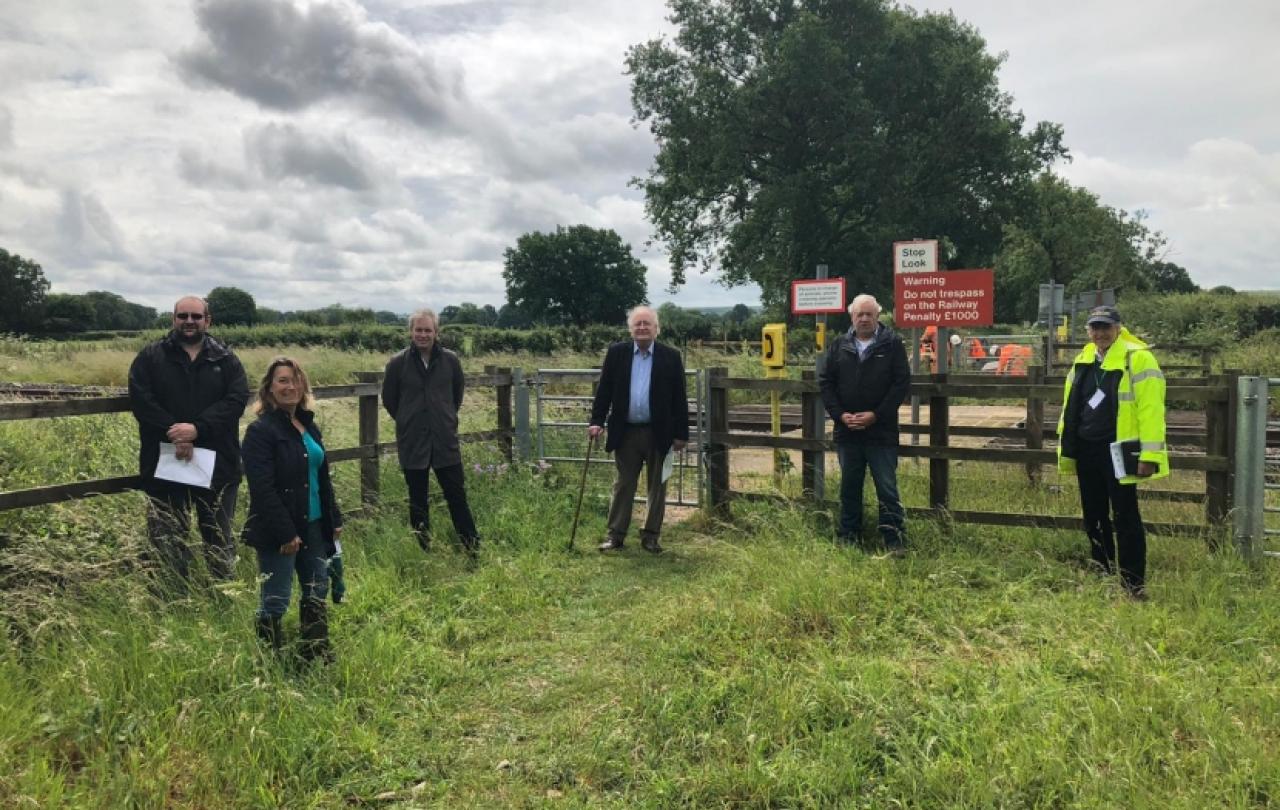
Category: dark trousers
[636,451]
[455,495]
[855,458]
[169,523]
[1111,516]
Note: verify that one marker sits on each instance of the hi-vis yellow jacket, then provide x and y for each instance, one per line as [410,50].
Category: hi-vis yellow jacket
[1140,402]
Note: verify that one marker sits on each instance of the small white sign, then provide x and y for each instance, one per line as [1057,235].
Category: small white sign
[918,256]
[817,296]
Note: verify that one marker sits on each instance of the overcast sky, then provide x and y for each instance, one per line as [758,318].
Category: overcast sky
[384,153]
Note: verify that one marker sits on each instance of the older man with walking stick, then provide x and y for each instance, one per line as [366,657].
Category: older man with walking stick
[643,400]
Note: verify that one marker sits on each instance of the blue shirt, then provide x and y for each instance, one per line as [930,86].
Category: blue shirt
[641,372]
[315,457]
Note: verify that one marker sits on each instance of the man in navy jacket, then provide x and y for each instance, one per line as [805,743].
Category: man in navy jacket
[864,381]
[643,401]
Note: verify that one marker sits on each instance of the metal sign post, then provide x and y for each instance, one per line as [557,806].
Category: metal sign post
[773,355]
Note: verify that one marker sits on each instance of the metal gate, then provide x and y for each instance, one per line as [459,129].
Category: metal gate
[1257,473]
[562,411]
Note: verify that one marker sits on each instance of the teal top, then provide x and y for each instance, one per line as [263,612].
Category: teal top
[315,457]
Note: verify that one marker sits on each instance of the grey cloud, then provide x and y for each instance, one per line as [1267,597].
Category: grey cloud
[444,19]
[290,58]
[603,148]
[87,228]
[201,171]
[283,151]
[6,128]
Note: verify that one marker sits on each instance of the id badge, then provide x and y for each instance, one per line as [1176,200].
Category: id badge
[1096,399]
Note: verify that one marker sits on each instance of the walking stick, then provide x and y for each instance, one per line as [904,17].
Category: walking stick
[591,440]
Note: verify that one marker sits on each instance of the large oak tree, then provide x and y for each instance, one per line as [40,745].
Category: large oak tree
[797,132]
[574,276]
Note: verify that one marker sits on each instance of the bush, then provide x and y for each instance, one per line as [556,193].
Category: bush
[1210,318]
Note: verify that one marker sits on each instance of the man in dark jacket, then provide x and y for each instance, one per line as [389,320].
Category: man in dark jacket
[422,390]
[187,391]
[864,381]
[643,397]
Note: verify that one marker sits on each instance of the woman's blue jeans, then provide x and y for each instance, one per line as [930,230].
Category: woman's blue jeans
[855,458]
[310,565]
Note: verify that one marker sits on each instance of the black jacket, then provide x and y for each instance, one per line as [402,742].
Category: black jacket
[668,397]
[424,403]
[166,386]
[879,383]
[275,462]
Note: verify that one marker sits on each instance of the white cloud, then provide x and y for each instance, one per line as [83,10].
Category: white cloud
[1217,204]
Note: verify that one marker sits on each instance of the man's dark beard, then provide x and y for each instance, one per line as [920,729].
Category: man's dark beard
[190,339]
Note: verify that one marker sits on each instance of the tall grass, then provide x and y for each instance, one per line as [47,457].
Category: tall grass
[753,665]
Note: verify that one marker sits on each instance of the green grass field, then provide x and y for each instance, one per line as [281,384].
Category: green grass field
[752,665]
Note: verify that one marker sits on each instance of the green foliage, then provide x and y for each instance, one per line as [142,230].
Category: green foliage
[469,313]
[575,276]
[22,293]
[1065,234]
[96,311]
[232,306]
[1208,317]
[1167,277]
[797,133]
[64,312]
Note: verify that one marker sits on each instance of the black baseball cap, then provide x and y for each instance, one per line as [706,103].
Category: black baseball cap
[1109,315]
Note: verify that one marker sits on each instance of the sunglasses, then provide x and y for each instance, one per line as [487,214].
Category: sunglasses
[188,316]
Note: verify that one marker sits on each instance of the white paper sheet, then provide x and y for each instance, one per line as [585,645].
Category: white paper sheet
[198,472]
[668,465]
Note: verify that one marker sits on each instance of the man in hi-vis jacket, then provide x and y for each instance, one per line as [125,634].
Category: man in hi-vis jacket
[1114,393]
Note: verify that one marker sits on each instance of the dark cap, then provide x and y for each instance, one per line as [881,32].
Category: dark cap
[1103,315]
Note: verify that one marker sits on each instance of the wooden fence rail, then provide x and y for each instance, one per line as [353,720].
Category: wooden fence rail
[1217,395]
[368,452]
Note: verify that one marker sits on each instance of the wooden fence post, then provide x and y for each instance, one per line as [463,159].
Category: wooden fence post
[812,426]
[939,468]
[1035,420]
[369,463]
[717,452]
[506,422]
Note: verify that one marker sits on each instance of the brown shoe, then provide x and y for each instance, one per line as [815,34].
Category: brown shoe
[610,544]
[651,546]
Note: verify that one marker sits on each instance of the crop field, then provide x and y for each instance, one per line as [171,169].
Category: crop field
[754,664]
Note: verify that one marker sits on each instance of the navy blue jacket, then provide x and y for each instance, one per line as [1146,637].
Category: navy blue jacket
[668,397]
[879,383]
[275,462]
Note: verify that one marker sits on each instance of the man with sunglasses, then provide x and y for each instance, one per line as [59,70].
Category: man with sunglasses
[189,390]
